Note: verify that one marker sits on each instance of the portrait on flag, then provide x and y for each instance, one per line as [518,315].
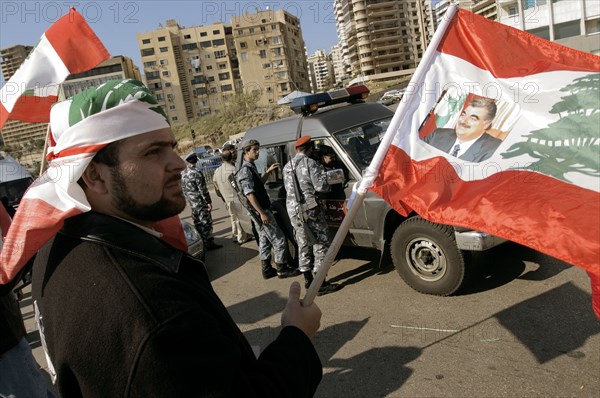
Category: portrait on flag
[468,126]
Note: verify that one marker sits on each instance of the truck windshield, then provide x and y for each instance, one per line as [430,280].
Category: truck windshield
[361,142]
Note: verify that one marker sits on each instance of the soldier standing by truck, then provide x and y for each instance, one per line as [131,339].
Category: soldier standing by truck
[196,192]
[270,235]
[303,178]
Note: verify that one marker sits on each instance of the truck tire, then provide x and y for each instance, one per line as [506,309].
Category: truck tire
[427,258]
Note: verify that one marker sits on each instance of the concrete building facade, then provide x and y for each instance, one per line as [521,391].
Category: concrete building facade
[118,67]
[320,69]
[21,136]
[271,50]
[381,36]
[191,71]
[573,23]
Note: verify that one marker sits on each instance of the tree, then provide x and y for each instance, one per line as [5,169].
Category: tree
[570,144]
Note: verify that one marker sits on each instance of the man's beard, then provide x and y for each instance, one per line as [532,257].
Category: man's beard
[160,210]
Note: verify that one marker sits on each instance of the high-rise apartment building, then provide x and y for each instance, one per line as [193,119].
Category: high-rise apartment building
[573,23]
[337,61]
[381,36]
[20,136]
[191,71]
[271,53]
[114,68]
[321,71]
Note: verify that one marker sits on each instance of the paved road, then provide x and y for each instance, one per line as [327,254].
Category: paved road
[523,328]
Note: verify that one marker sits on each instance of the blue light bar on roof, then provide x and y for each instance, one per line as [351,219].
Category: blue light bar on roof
[311,103]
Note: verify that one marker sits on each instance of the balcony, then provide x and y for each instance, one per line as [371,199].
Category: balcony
[358,5]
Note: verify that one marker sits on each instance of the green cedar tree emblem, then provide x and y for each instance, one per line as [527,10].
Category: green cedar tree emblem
[572,143]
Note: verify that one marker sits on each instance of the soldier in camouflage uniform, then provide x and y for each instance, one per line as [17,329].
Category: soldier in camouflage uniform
[196,192]
[310,229]
[270,235]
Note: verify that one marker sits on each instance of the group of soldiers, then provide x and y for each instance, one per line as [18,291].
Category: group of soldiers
[304,179]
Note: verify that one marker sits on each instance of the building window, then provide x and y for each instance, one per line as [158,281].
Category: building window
[244,57]
[187,37]
[280,75]
[222,66]
[165,73]
[208,67]
[216,32]
[172,107]
[149,64]
[148,51]
[189,46]
[210,78]
[266,66]
[164,49]
[152,75]
[206,56]
[156,86]
[240,32]
[206,44]
[161,38]
[543,32]
[224,76]
[262,53]
[276,39]
[226,87]
[512,10]
[220,54]
[277,51]
[159,97]
[163,62]
[174,118]
[243,44]
[213,90]
[263,28]
[168,84]
[250,30]
[567,29]
[273,27]
[283,86]
[218,42]
[145,41]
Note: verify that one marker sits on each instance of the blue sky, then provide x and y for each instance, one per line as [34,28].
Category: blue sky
[117,22]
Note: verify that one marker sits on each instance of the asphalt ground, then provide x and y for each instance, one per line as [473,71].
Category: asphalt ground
[523,327]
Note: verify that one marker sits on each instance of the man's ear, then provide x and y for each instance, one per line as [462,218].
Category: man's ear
[94,177]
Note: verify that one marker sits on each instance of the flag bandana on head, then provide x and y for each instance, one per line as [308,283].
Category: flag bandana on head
[533,177]
[80,127]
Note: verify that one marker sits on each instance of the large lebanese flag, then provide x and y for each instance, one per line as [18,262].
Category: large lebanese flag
[68,46]
[540,187]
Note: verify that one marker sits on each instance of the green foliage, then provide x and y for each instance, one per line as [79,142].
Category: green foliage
[570,144]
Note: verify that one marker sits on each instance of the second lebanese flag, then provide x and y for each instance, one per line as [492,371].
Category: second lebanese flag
[538,181]
[68,46]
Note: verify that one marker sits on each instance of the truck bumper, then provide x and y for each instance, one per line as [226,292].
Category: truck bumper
[476,241]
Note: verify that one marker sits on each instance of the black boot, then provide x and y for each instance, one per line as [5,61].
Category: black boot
[327,287]
[268,272]
[308,278]
[284,271]
[211,245]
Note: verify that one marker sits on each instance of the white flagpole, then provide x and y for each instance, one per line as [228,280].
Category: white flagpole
[372,170]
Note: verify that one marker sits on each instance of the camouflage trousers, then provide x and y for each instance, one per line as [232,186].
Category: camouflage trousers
[203,222]
[271,236]
[312,244]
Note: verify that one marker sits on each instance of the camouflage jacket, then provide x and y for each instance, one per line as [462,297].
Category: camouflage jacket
[311,178]
[194,187]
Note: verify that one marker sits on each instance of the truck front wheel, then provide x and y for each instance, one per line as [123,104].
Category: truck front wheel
[427,258]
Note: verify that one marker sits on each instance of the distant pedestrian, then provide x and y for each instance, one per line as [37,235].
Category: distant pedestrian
[304,178]
[196,192]
[270,235]
[225,191]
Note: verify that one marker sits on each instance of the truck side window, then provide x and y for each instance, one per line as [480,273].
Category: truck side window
[268,156]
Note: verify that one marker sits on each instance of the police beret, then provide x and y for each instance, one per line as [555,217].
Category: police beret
[302,141]
[249,143]
[191,157]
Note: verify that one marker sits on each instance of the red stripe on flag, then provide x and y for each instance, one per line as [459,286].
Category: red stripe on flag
[509,52]
[76,43]
[76,151]
[3,115]
[516,205]
[34,224]
[29,108]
